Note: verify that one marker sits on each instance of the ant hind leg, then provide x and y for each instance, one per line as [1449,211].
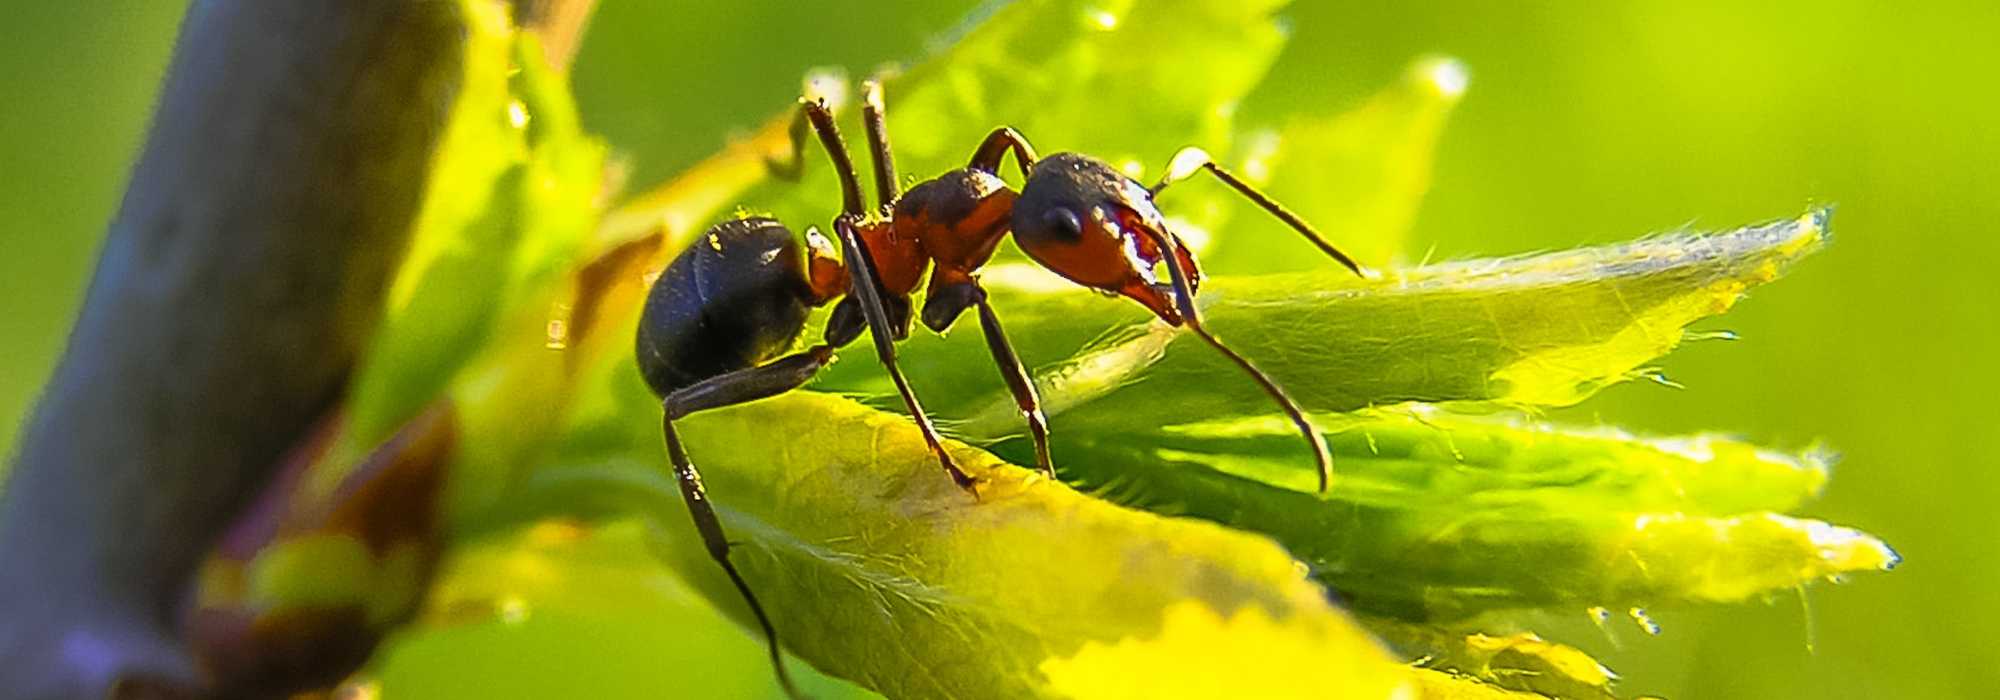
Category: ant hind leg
[791,164]
[717,542]
[737,387]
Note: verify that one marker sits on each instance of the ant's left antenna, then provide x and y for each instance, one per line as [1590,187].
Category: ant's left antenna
[1191,160]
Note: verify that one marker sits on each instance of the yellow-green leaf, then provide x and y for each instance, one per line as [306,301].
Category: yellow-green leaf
[878,569]
[1541,330]
[1443,516]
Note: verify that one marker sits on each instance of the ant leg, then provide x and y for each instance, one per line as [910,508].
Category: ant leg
[878,142]
[863,281]
[737,387]
[712,535]
[1018,382]
[847,320]
[816,115]
[996,146]
[746,385]
[943,308]
[1184,300]
[862,268]
[1190,160]
[821,119]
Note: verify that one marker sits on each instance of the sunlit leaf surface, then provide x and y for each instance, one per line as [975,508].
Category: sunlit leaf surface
[880,569]
[880,572]
[1541,330]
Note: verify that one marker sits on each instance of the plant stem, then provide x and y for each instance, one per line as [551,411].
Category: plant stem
[242,274]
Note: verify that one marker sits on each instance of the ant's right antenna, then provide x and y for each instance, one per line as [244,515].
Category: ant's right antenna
[1184,300]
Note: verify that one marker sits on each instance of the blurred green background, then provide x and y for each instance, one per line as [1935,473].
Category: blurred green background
[1585,122]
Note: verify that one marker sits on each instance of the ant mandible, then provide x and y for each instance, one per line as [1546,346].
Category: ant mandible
[719,319]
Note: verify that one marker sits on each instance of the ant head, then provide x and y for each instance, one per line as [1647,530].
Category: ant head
[1086,221]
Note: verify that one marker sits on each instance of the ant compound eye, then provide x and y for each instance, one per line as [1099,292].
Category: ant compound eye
[1064,221]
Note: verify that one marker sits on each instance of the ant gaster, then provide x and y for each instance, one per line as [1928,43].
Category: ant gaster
[719,320]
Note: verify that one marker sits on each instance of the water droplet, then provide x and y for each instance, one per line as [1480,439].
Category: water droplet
[1693,336]
[1261,148]
[1601,617]
[1645,621]
[517,114]
[1104,20]
[1445,75]
[1660,378]
[557,332]
[828,84]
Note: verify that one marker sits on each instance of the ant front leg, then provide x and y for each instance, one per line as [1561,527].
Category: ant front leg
[1191,160]
[861,269]
[996,146]
[865,286]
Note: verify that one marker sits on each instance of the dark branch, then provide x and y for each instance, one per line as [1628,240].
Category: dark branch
[243,273]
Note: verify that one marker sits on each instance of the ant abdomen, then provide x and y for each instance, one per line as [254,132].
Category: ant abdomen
[735,298]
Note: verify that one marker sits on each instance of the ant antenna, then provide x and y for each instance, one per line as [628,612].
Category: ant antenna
[1184,300]
[1189,160]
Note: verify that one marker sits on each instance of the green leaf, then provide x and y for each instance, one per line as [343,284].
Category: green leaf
[1521,662]
[1437,685]
[1542,330]
[877,568]
[1437,516]
[511,195]
[467,228]
[565,609]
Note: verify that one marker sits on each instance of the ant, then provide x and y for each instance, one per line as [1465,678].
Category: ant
[719,319]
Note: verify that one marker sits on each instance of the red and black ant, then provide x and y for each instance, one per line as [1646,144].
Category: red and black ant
[719,319]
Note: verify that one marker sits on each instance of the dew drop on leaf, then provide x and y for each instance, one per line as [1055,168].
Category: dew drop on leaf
[1645,621]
